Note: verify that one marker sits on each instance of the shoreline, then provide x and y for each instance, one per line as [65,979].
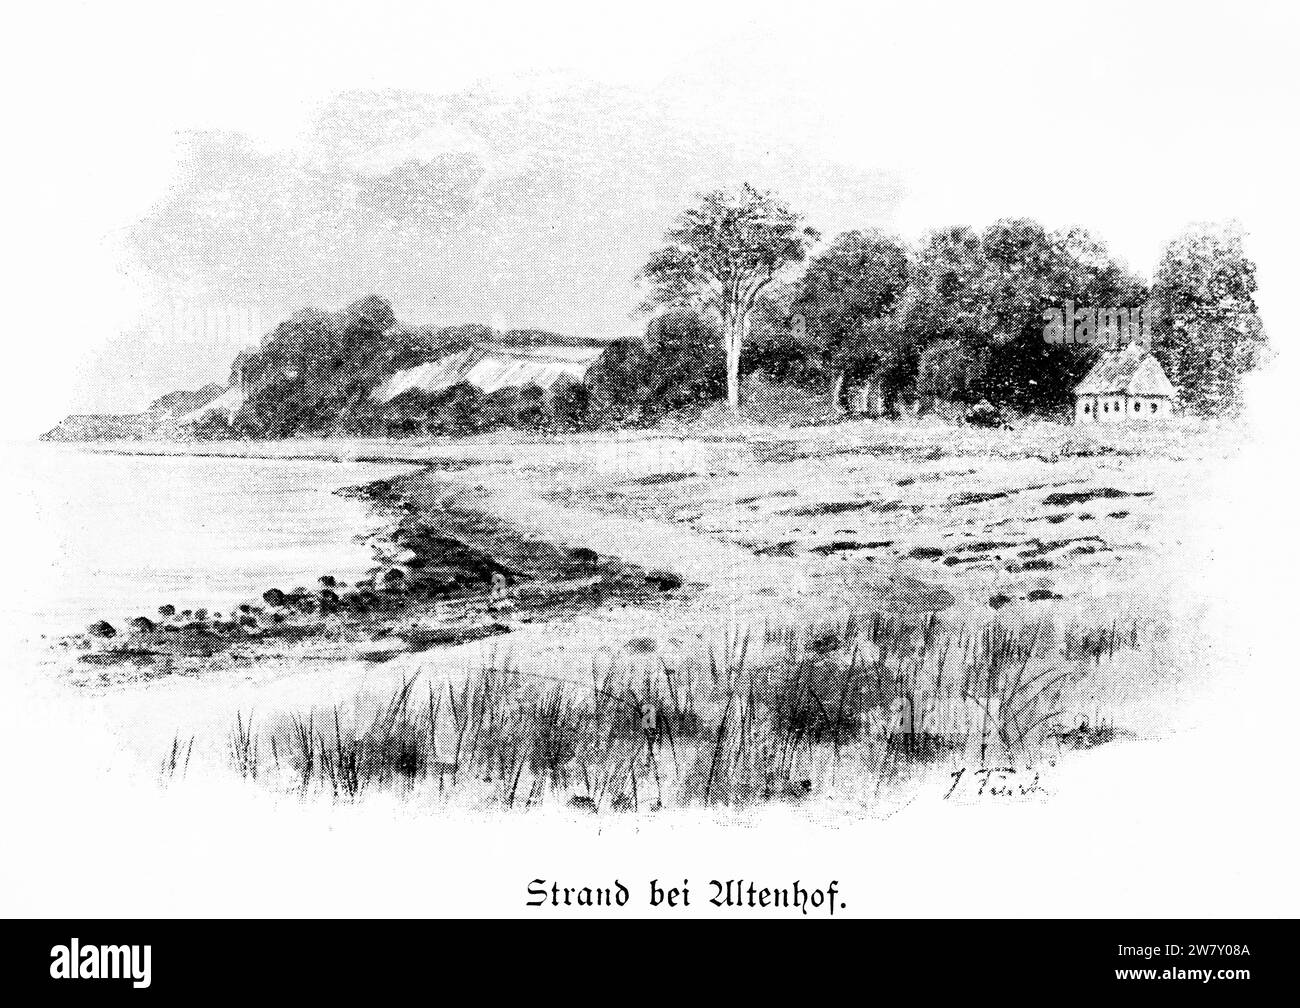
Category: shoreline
[448,571]
[546,495]
[822,548]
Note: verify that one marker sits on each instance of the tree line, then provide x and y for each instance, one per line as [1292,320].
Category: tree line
[960,318]
[743,285]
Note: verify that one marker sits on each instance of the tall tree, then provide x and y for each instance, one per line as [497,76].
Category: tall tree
[1207,328]
[720,256]
[977,303]
[846,297]
[945,312]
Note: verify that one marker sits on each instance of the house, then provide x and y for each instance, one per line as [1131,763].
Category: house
[1125,386]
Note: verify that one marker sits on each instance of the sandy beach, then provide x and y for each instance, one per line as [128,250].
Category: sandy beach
[640,552]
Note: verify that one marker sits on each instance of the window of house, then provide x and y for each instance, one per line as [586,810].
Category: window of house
[1105,407]
[1087,408]
[1153,407]
[1137,407]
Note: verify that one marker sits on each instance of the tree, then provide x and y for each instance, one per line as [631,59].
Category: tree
[952,370]
[976,311]
[314,368]
[683,363]
[944,313]
[570,404]
[846,297]
[459,410]
[1207,329]
[720,256]
[776,345]
[618,383]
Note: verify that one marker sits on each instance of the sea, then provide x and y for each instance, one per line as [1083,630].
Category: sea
[99,535]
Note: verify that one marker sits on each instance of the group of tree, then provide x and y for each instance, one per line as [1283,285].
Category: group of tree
[740,286]
[314,373]
[1207,327]
[317,373]
[959,318]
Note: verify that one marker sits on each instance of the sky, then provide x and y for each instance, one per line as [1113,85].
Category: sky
[180,180]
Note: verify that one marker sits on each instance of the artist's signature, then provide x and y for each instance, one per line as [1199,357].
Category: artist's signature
[996,782]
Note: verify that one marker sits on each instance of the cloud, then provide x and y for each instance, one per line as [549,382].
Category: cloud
[538,202]
[421,193]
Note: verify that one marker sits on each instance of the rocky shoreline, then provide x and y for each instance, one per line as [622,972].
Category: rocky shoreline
[448,571]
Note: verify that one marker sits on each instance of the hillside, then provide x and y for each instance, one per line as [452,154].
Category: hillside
[360,371]
[164,419]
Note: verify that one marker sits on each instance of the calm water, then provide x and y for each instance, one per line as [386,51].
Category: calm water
[101,536]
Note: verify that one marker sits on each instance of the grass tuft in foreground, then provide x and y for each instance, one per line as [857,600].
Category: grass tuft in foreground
[778,713]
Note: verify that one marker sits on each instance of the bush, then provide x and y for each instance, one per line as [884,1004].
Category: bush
[570,404]
[458,410]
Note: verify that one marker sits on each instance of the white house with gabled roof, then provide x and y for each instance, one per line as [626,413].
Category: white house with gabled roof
[1125,386]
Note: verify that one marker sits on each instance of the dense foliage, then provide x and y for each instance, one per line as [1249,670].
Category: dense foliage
[977,312]
[958,319]
[316,373]
[1208,330]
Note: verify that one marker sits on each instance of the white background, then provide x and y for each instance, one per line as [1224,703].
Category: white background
[1143,118]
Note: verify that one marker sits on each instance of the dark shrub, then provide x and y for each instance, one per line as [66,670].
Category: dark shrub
[984,414]
[570,404]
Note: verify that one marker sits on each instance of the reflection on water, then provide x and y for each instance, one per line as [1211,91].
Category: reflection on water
[123,534]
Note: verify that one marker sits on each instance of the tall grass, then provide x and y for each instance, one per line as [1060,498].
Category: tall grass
[177,760]
[766,713]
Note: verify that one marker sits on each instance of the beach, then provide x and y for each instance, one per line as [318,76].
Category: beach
[636,553]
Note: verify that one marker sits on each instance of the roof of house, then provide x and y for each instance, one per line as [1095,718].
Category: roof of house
[1126,372]
[496,367]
